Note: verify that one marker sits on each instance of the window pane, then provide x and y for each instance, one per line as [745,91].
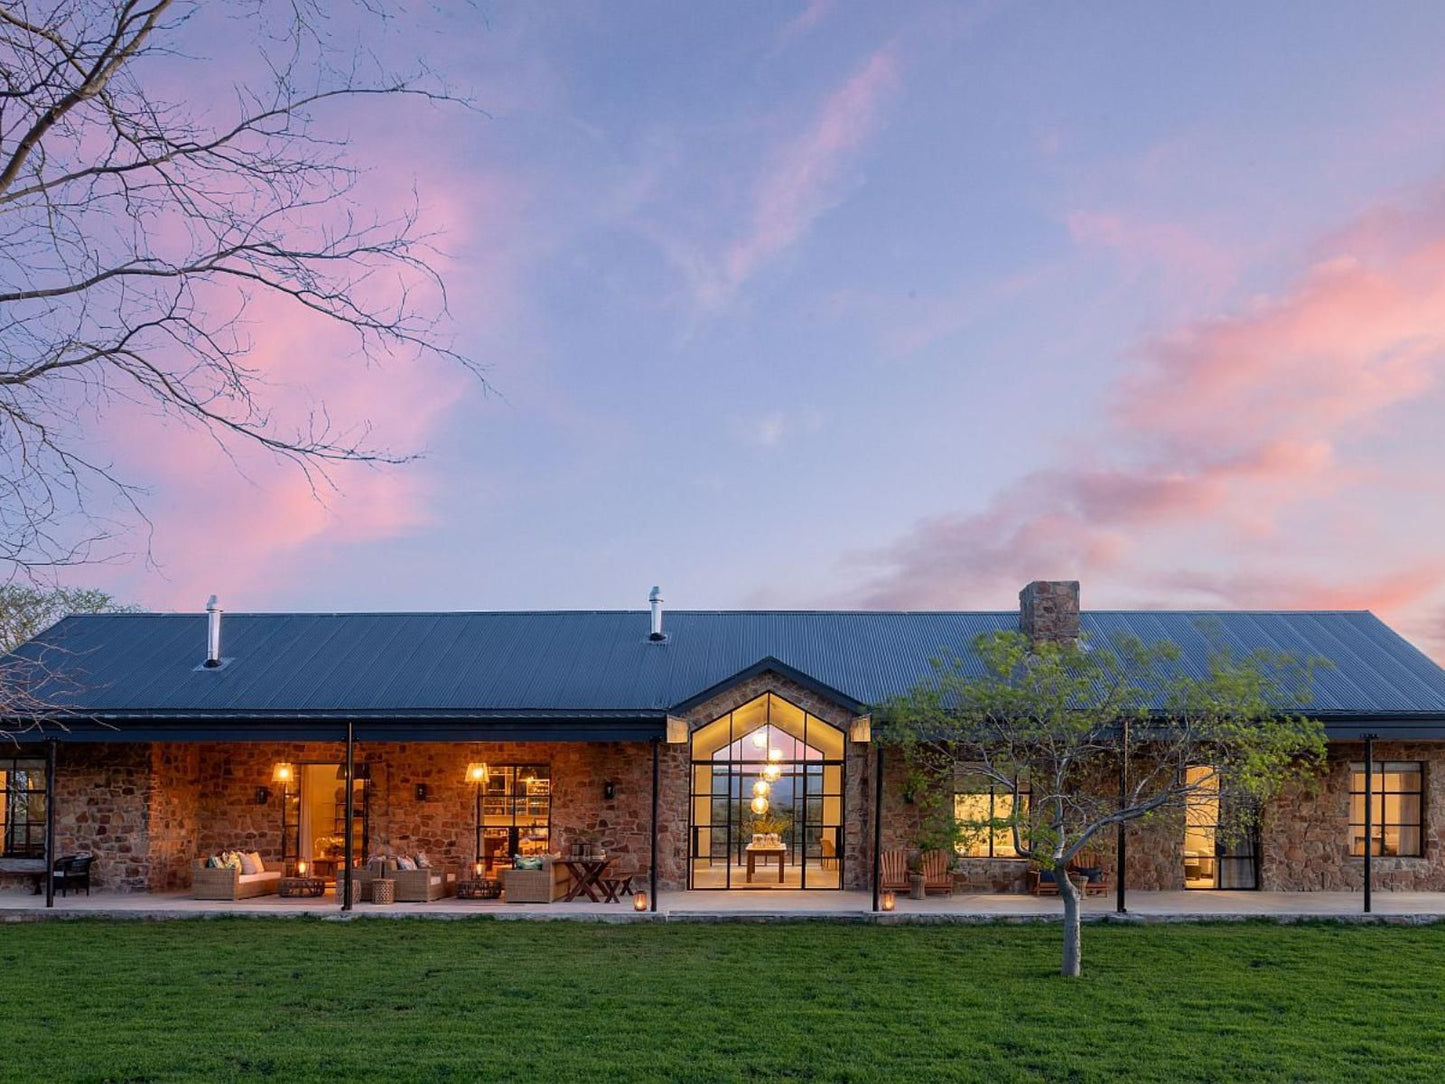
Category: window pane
[1402,809]
[1408,841]
[971,810]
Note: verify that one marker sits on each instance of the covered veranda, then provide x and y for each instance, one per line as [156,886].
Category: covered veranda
[780,905]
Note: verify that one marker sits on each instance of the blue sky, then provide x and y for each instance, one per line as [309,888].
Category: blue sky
[848,304]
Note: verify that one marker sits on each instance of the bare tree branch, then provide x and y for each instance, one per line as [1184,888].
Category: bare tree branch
[138,232]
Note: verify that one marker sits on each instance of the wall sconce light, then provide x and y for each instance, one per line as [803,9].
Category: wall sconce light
[477,772]
[282,773]
[421,792]
[263,795]
[888,901]
[609,790]
[639,901]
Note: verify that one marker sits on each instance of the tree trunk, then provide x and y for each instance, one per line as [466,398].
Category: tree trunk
[1073,957]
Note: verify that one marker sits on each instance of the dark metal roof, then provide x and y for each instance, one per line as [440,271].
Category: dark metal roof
[597,669]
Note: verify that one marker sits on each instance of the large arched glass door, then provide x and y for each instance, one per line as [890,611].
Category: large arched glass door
[767,799]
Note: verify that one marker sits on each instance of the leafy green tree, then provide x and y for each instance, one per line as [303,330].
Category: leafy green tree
[1053,723]
[26,610]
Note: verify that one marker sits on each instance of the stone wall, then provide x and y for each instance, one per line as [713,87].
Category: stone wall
[100,806]
[1306,833]
[173,815]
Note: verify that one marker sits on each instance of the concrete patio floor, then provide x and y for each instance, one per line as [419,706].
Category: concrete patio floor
[1411,907]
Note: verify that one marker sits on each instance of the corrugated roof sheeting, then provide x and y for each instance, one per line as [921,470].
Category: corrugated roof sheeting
[581,661]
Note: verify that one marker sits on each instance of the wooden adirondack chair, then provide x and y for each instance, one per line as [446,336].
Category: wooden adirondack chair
[937,877]
[895,870]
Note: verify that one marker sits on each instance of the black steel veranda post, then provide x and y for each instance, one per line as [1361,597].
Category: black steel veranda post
[877,823]
[1369,815]
[1120,874]
[652,873]
[50,823]
[350,815]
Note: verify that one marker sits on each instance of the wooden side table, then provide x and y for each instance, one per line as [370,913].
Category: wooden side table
[383,890]
[309,887]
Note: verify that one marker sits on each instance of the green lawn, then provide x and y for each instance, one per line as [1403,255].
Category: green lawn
[415,1000]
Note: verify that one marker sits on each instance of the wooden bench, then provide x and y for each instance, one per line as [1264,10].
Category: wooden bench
[33,868]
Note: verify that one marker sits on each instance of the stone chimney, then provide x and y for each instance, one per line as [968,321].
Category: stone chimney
[1049,610]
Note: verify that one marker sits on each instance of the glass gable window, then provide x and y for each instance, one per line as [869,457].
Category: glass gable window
[767,799]
[22,808]
[1398,816]
[980,801]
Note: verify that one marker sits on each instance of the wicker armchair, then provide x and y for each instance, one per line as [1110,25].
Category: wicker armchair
[536,885]
[423,885]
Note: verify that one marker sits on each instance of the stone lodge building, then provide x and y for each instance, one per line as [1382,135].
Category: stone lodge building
[670,743]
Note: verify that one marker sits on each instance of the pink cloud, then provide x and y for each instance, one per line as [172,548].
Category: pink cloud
[807,20]
[1146,246]
[806,177]
[230,518]
[1225,431]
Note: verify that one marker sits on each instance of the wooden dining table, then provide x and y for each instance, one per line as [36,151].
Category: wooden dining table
[767,854]
[587,878]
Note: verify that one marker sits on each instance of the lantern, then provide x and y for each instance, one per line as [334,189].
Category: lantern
[889,900]
[477,869]
[760,789]
[301,868]
[639,901]
[759,806]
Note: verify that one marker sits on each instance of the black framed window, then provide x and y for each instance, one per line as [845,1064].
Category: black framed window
[981,801]
[1398,816]
[516,813]
[22,807]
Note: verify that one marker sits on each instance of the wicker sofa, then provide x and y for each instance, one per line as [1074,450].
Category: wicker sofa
[536,885]
[412,885]
[232,884]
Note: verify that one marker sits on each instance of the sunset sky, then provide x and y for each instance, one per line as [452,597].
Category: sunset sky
[877,305]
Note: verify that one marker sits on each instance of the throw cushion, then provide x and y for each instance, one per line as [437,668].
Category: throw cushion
[260,862]
[248,864]
[232,860]
[405,863]
[1092,874]
[422,861]
[214,862]
[1046,876]
[523,862]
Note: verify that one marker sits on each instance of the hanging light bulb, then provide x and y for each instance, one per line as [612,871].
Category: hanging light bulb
[760,738]
[771,773]
[759,805]
[760,789]
[775,753]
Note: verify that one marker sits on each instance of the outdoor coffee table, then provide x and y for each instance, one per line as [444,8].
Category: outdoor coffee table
[780,853]
[479,888]
[587,877]
[301,886]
